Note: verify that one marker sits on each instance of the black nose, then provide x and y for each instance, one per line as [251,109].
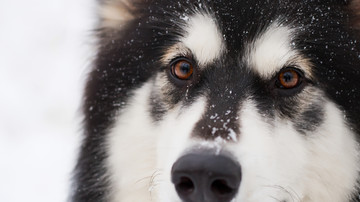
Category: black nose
[206,178]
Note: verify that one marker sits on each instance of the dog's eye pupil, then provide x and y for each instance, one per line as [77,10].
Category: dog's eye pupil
[289,78]
[182,69]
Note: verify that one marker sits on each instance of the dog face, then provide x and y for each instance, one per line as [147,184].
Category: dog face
[223,101]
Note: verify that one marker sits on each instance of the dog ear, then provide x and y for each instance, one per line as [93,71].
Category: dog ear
[354,7]
[116,13]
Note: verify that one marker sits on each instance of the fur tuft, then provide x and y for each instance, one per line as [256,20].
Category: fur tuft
[115,14]
[355,7]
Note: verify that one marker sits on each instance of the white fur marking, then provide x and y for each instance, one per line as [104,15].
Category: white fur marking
[272,50]
[141,153]
[203,38]
[132,150]
[278,163]
[175,138]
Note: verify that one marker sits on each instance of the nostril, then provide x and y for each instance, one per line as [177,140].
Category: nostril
[205,177]
[185,186]
[221,188]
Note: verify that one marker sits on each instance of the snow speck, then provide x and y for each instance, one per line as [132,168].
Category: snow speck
[218,145]
[227,112]
[215,145]
[212,117]
[232,134]
[214,130]
[184,17]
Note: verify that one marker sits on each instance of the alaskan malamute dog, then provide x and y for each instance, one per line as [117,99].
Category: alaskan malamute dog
[223,101]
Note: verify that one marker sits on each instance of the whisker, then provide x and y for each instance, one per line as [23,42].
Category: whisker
[293,195]
[153,183]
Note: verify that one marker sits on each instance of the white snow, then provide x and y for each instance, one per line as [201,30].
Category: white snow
[45,48]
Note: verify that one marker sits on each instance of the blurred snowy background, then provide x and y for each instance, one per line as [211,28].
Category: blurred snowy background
[45,49]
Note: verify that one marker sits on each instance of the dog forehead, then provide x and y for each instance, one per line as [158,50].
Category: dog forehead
[264,45]
[202,38]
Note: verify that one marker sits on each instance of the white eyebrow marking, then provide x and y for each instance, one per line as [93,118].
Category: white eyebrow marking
[272,50]
[203,38]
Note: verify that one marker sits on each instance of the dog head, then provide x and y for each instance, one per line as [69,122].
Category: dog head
[224,101]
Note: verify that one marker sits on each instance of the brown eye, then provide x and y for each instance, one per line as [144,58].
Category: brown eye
[182,69]
[289,78]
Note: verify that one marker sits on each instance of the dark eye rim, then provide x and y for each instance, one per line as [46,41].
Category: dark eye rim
[299,73]
[283,91]
[176,80]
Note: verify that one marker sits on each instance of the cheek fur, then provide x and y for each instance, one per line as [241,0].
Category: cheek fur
[280,162]
[175,139]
